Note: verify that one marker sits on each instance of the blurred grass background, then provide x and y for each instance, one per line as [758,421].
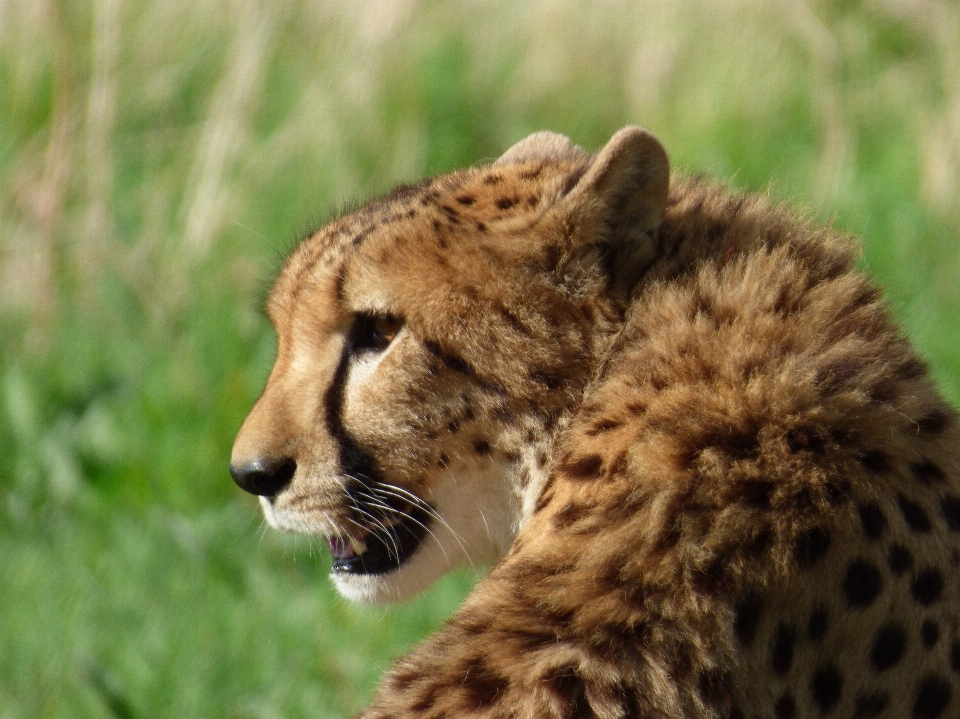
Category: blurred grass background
[157,158]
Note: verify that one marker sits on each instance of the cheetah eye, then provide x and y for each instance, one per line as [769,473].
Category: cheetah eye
[374,333]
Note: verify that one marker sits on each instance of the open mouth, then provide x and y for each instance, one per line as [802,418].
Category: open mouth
[380,549]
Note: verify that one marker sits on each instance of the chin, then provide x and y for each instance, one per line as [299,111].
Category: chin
[425,566]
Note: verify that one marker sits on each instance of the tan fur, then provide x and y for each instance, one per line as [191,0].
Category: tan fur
[718,480]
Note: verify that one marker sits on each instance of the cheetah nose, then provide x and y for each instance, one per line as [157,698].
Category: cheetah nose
[264,477]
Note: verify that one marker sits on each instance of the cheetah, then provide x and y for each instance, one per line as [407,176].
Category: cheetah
[712,477]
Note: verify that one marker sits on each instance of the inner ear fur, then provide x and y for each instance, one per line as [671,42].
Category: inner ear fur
[542,146]
[622,194]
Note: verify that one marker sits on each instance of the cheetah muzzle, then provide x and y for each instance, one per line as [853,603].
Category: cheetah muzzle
[712,477]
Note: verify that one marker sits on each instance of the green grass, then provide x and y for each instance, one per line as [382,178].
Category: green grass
[157,159]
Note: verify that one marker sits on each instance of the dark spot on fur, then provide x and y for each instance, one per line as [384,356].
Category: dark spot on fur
[950,506]
[870,705]
[836,491]
[451,361]
[785,707]
[844,437]
[759,543]
[709,579]
[453,426]
[404,678]
[481,447]
[359,237]
[933,696]
[875,462]
[738,443]
[872,520]
[888,647]
[474,625]
[603,425]
[837,373]
[466,200]
[532,173]
[714,687]
[955,656]
[746,619]
[810,546]
[927,472]
[443,461]
[826,686]
[586,467]
[433,348]
[481,226]
[493,179]
[482,684]
[935,422]
[883,391]
[899,559]
[505,203]
[545,378]
[756,492]
[804,440]
[862,583]
[927,587]
[818,623]
[541,459]
[914,515]
[630,703]
[668,539]
[913,368]
[428,697]
[567,688]
[546,496]
[929,633]
[571,514]
[781,655]
[550,255]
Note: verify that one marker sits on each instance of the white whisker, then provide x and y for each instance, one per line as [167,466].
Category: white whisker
[387,532]
[410,517]
[402,493]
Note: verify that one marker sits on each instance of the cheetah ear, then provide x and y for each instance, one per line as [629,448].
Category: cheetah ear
[625,189]
[542,146]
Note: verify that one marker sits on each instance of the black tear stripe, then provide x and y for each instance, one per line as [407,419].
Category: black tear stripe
[362,475]
[354,461]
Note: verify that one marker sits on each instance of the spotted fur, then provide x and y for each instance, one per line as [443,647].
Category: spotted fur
[714,477]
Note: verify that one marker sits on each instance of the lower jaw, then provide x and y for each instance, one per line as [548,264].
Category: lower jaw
[384,555]
[413,577]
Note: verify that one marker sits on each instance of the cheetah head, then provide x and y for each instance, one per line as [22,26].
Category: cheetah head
[431,344]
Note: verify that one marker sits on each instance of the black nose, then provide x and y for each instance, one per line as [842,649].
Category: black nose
[265,477]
